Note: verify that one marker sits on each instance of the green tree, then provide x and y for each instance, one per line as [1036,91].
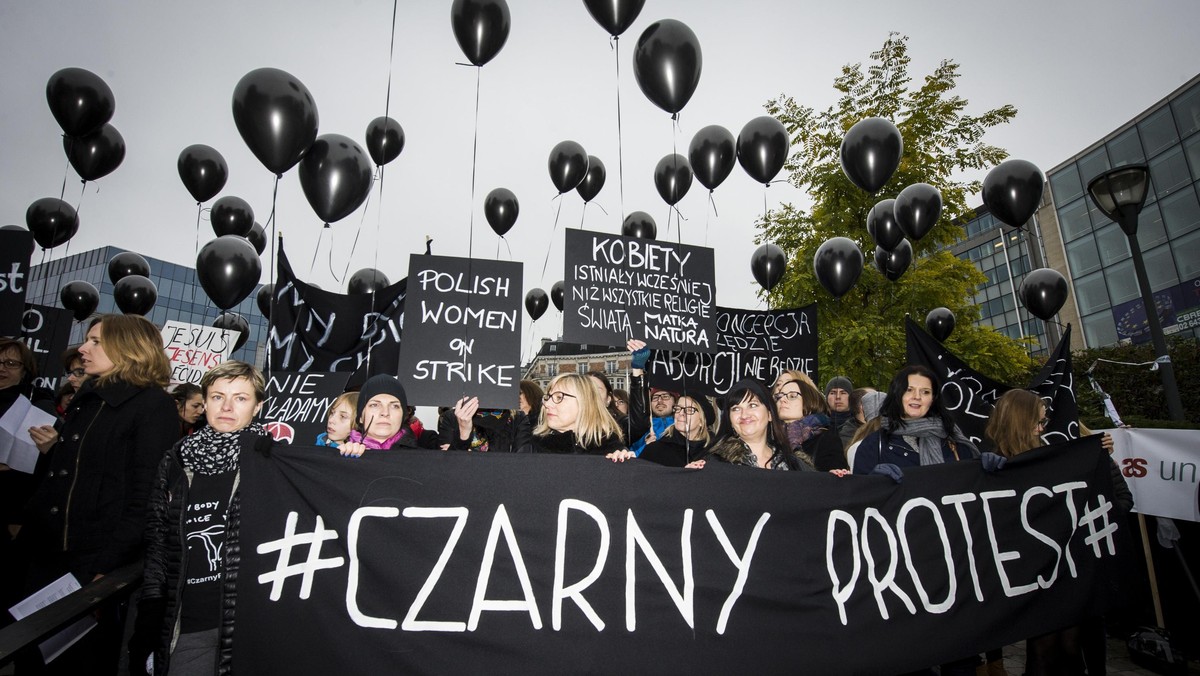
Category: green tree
[862,333]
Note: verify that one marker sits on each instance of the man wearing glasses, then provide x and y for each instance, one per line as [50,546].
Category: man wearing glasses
[661,406]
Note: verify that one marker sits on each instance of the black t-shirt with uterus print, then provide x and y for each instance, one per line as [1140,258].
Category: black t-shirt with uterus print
[204,528]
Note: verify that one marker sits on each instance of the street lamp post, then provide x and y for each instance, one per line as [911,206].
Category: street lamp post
[1120,194]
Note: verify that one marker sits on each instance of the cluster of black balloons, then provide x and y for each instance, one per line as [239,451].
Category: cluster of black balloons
[133,290]
[82,104]
[536,300]
[895,223]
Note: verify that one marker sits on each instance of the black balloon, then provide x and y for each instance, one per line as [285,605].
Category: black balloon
[768,265]
[838,264]
[203,171]
[536,303]
[871,152]
[918,208]
[667,63]
[1012,190]
[232,216]
[1044,292]
[593,180]
[639,224]
[97,154]
[480,27]
[263,298]
[501,209]
[80,297]
[228,268]
[13,227]
[894,263]
[258,238]
[52,221]
[80,101]
[367,280]
[232,321]
[557,293]
[336,176]
[127,263]
[940,323]
[276,116]
[882,226]
[673,178]
[135,294]
[568,165]
[615,16]
[712,154]
[762,148]
[385,139]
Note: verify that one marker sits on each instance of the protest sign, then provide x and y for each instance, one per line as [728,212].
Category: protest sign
[194,349]
[316,330]
[618,288]
[751,343]
[463,337]
[294,412]
[435,562]
[1160,468]
[47,332]
[16,246]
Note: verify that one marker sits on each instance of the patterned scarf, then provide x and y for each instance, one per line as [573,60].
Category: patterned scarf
[929,433]
[800,431]
[211,452]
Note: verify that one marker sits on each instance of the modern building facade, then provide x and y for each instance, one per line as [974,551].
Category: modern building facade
[180,297]
[1071,235]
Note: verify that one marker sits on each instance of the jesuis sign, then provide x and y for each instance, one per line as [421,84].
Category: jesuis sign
[619,288]
[462,331]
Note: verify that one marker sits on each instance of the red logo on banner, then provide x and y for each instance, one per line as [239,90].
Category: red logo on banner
[281,431]
[1134,467]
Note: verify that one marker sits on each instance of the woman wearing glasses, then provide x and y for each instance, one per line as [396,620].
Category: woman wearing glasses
[689,437]
[805,416]
[751,433]
[574,420]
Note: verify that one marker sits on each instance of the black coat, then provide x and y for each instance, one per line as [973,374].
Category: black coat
[92,502]
[673,450]
[565,442]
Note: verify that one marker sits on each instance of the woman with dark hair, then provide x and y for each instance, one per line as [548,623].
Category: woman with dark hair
[190,403]
[805,416]
[88,514]
[914,427]
[752,434]
[73,369]
[531,400]
[381,418]
[574,420]
[183,611]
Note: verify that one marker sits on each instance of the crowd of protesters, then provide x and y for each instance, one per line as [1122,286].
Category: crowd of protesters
[132,471]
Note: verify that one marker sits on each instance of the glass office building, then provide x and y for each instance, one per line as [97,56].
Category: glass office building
[180,297]
[1095,251]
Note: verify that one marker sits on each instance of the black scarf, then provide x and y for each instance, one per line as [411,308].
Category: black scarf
[211,452]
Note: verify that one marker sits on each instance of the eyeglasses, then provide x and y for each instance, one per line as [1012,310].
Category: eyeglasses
[10,363]
[686,410]
[790,396]
[1043,422]
[661,396]
[78,373]
[557,397]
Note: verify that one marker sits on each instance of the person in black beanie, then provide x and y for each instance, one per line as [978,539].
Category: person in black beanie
[837,395]
[381,419]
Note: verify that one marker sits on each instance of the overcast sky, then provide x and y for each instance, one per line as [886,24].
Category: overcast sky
[173,66]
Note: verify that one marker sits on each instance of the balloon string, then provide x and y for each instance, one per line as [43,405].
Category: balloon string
[387,101]
[582,215]
[361,221]
[199,211]
[471,223]
[67,169]
[616,42]
[550,245]
[79,204]
[317,249]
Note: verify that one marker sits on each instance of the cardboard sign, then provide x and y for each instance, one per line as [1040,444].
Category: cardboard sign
[16,246]
[296,405]
[47,332]
[618,288]
[462,331]
[753,344]
[194,350]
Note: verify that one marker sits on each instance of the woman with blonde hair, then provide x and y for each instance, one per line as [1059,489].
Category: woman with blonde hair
[689,437]
[88,514]
[574,420]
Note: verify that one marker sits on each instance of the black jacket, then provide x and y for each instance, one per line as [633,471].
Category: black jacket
[673,450]
[565,442]
[92,502]
[503,434]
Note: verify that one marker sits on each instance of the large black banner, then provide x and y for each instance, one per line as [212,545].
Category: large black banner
[317,330]
[617,288]
[464,331]
[296,405]
[970,396]
[752,343]
[445,563]
[16,247]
